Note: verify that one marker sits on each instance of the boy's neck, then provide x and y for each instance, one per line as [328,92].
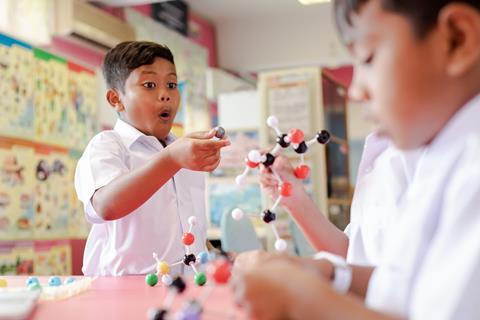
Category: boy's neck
[162,141]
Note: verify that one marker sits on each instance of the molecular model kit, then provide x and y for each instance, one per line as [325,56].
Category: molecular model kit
[295,139]
[219,270]
[188,238]
[54,289]
[189,259]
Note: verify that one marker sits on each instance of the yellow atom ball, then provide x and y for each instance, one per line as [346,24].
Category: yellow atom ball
[163,268]
[3,283]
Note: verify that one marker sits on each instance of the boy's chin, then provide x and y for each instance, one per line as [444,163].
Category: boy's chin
[162,133]
[406,143]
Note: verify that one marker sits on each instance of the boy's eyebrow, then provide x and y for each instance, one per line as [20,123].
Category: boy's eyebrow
[153,72]
[148,72]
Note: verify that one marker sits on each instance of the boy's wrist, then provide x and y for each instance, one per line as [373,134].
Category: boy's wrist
[298,196]
[341,275]
[171,158]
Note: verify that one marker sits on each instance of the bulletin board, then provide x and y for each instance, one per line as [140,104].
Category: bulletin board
[48,114]
[46,98]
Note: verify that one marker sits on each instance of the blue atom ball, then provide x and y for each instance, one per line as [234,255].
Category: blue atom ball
[32,280]
[54,281]
[203,257]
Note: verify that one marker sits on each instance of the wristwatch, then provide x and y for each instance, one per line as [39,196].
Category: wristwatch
[342,273]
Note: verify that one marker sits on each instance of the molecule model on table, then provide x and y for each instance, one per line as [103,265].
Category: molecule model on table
[219,270]
[189,259]
[55,289]
[295,139]
[175,287]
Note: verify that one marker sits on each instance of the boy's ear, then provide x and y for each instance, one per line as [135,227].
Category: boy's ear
[461,26]
[113,98]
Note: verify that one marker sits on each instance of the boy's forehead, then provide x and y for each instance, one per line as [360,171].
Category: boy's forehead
[159,66]
[369,21]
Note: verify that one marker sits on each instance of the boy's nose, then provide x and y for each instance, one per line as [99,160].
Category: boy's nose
[165,98]
[357,90]
[358,94]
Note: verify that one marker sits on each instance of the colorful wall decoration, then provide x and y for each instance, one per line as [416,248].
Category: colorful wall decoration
[48,113]
[46,98]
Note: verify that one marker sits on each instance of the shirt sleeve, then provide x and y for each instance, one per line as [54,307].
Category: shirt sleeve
[104,159]
[448,284]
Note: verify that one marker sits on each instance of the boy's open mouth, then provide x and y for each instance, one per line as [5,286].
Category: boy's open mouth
[164,115]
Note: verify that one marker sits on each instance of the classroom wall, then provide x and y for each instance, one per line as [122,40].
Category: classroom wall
[304,39]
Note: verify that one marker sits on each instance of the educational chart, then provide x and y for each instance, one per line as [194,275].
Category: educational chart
[16,192]
[17,65]
[47,116]
[45,98]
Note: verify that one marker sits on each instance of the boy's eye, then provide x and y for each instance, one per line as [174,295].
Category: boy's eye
[368,60]
[172,85]
[149,85]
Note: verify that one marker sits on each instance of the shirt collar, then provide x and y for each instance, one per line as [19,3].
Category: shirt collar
[461,124]
[130,134]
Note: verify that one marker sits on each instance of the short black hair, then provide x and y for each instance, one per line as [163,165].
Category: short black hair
[423,14]
[121,60]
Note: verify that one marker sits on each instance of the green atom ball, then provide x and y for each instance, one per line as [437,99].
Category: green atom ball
[200,279]
[151,279]
[34,286]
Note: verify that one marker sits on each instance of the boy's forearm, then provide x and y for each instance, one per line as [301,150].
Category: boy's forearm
[335,306]
[360,278]
[318,300]
[128,192]
[322,234]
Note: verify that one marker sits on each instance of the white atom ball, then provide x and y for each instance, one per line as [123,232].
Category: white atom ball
[192,220]
[255,156]
[240,180]
[167,279]
[280,245]
[272,122]
[237,214]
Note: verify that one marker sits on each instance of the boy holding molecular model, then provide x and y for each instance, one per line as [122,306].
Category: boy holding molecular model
[418,64]
[138,184]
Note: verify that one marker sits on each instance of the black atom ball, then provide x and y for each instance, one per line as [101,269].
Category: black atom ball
[302,148]
[189,258]
[268,216]
[178,284]
[269,161]
[157,314]
[323,136]
[281,141]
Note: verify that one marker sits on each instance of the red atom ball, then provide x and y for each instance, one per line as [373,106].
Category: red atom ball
[220,271]
[285,189]
[250,163]
[188,238]
[296,136]
[302,171]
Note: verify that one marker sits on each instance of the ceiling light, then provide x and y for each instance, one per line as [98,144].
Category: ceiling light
[307,2]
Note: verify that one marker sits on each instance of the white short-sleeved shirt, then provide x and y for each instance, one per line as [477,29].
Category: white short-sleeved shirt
[125,246]
[383,176]
[430,268]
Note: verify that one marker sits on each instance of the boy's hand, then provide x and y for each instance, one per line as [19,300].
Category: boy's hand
[197,151]
[278,289]
[251,260]
[284,170]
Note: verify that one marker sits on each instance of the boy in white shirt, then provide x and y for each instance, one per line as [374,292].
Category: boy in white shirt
[139,185]
[418,63]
